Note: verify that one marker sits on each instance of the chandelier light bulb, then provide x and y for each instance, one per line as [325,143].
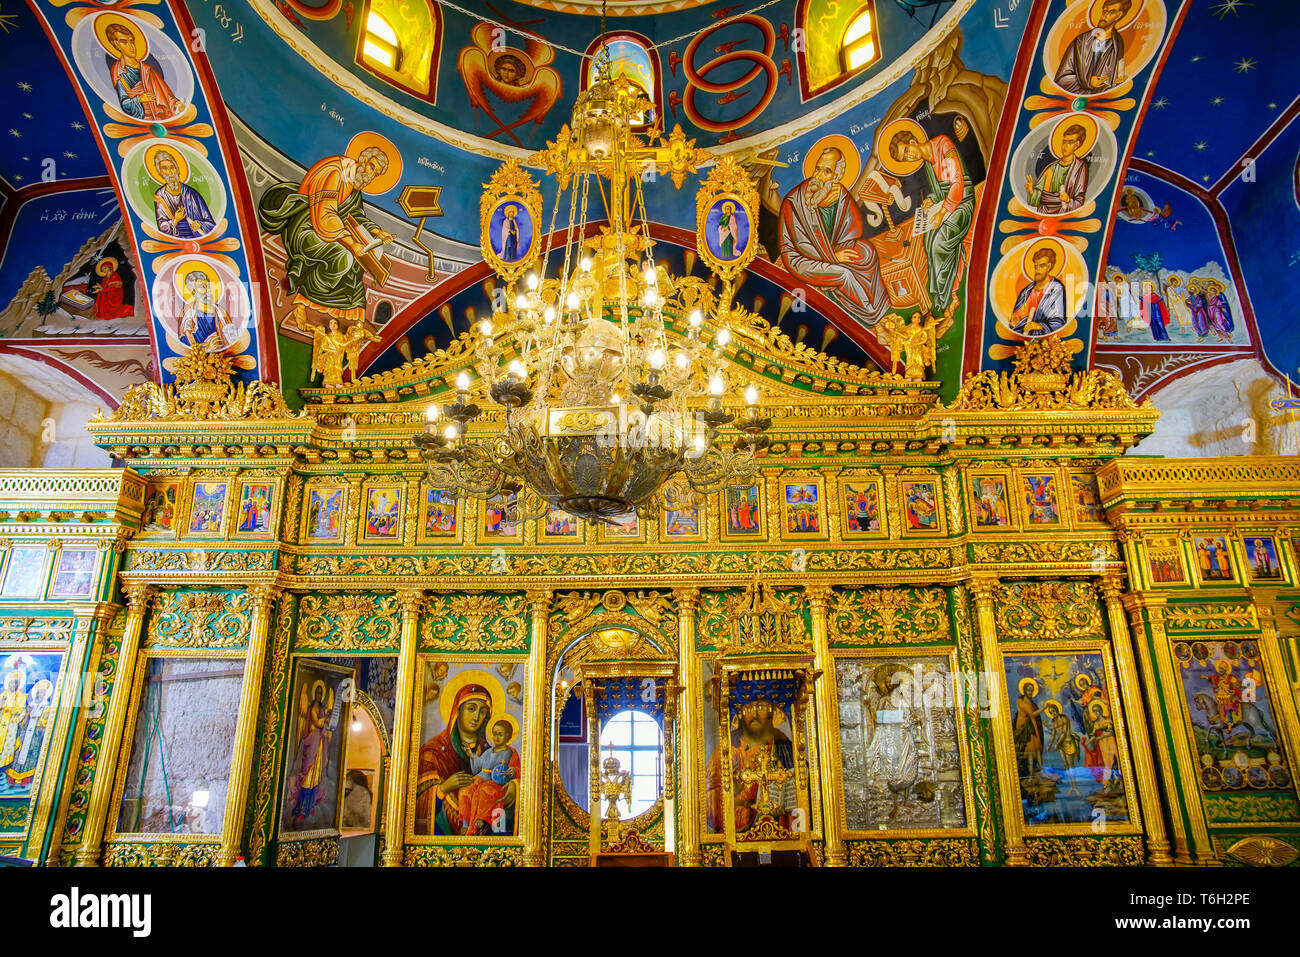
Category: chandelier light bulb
[521,301]
[656,359]
[615,398]
[486,327]
[549,314]
[517,369]
[651,298]
[531,281]
[680,360]
[451,432]
[572,300]
[751,395]
[432,413]
[716,385]
[700,442]
[697,318]
[586,264]
[462,381]
[724,336]
[650,277]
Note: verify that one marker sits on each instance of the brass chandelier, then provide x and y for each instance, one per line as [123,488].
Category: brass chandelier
[611,382]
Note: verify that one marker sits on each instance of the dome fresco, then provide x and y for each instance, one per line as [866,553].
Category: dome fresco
[957,144]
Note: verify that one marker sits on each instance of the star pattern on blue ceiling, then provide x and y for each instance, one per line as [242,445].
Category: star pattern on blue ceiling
[1235,56]
[39,109]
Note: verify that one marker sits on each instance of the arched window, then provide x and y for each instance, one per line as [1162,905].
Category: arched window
[631,56]
[840,39]
[399,41]
[637,741]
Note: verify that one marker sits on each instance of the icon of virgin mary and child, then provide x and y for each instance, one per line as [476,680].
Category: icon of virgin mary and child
[469,774]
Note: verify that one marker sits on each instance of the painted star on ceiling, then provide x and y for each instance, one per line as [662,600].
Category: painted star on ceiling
[8,21]
[1160,104]
[24,86]
[1225,7]
[1245,64]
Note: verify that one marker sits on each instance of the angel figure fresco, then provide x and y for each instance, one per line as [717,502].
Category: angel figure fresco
[513,77]
[329,242]
[315,728]
[333,348]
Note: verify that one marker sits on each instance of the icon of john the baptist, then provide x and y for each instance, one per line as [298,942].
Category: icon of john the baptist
[447,768]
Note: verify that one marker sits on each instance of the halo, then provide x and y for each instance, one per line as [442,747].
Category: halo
[1097,705]
[106,20]
[1223,666]
[318,684]
[1075,119]
[1082,682]
[472,676]
[1028,682]
[1026,261]
[529,69]
[728,202]
[852,158]
[886,135]
[1094,13]
[510,211]
[1052,706]
[510,720]
[155,152]
[196,265]
[389,177]
[99,268]
[42,685]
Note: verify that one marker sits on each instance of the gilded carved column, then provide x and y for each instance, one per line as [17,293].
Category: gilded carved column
[981,588]
[399,758]
[1112,587]
[1146,615]
[828,750]
[138,599]
[241,764]
[533,791]
[89,632]
[690,729]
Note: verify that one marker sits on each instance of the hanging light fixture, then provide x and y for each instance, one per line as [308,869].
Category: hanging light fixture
[610,381]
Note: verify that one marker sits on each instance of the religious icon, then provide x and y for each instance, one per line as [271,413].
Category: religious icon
[324,514]
[469,775]
[802,509]
[160,508]
[512,231]
[1231,719]
[142,93]
[1087,498]
[921,506]
[383,518]
[822,239]
[1060,185]
[900,742]
[947,207]
[682,517]
[24,573]
[329,242]
[75,575]
[317,732]
[1214,559]
[1262,558]
[990,503]
[110,295]
[1097,46]
[623,527]
[1165,560]
[557,523]
[255,507]
[179,209]
[762,775]
[744,510]
[208,507]
[727,227]
[501,517]
[1040,500]
[861,507]
[27,712]
[1040,304]
[440,517]
[1069,755]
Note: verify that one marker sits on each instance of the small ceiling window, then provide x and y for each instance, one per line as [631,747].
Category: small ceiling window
[399,42]
[858,48]
[380,44]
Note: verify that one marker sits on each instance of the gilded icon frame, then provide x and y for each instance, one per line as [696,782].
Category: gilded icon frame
[934,480]
[974,478]
[316,660]
[761,535]
[422,536]
[325,489]
[842,505]
[789,480]
[368,490]
[544,537]
[273,520]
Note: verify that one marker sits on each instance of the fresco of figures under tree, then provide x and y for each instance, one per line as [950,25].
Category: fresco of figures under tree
[181,747]
[469,768]
[899,744]
[1233,729]
[319,705]
[27,709]
[1067,742]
